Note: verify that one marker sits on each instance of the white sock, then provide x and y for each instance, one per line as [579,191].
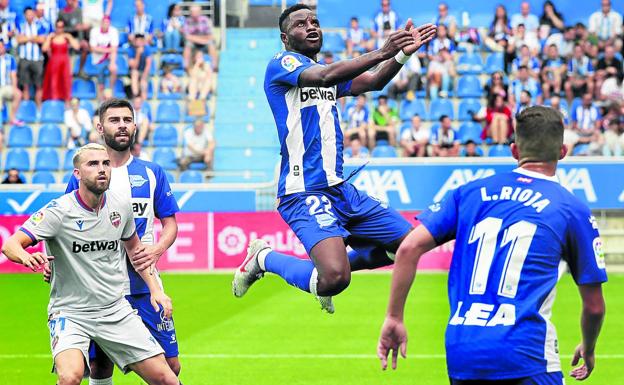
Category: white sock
[261,258]
[103,381]
[314,282]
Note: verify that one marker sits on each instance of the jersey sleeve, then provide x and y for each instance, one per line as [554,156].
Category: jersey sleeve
[285,70]
[165,204]
[344,89]
[45,223]
[71,185]
[584,248]
[441,218]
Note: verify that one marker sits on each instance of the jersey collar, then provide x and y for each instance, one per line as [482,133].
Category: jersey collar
[83,204]
[536,175]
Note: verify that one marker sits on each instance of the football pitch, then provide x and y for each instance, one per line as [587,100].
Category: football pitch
[278,335]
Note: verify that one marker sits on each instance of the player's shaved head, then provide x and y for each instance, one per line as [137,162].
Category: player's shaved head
[284,16]
[79,155]
[539,134]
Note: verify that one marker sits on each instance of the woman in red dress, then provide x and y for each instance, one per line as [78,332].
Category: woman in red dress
[57,79]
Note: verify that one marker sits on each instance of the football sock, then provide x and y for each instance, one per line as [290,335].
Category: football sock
[369,258]
[101,381]
[296,272]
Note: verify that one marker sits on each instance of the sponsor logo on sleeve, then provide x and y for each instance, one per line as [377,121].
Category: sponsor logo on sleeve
[290,63]
[598,252]
[36,218]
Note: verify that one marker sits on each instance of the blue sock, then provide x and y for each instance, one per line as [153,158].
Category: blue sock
[295,271]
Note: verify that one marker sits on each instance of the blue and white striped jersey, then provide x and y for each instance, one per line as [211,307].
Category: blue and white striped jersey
[31,51]
[143,25]
[513,233]
[307,124]
[7,67]
[145,185]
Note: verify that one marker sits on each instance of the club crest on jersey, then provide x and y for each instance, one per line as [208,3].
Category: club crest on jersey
[290,63]
[136,180]
[79,223]
[115,218]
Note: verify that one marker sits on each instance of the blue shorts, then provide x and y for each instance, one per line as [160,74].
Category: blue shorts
[101,70]
[162,329]
[341,211]
[554,378]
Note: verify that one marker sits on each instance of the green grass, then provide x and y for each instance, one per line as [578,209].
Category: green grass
[278,321]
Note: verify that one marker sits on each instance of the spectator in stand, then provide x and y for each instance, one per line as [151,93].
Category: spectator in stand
[357,38]
[172,29]
[498,121]
[407,80]
[9,90]
[200,78]
[40,17]
[198,36]
[565,42]
[142,120]
[613,139]
[170,83]
[589,42]
[500,30]
[71,16]
[521,38]
[496,86]
[78,124]
[415,139]
[93,12]
[471,150]
[446,20]
[199,146]
[440,74]
[444,140]
[606,25]
[612,89]
[580,75]
[385,123]
[608,66]
[138,152]
[524,82]
[30,67]
[440,41]
[94,135]
[385,22]
[525,102]
[13,177]
[525,17]
[355,149]
[140,58]
[526,59]
[103,42]
[357,120]
[7,24]
[553,73]
[57,81]
[551,20]
[586,123]
[555,103]
[140,24]
[327,58]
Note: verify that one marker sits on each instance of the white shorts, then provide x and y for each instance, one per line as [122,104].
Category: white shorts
[121,335]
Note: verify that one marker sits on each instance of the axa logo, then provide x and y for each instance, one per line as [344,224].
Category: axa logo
[460,177]
[578,179]
[378,184]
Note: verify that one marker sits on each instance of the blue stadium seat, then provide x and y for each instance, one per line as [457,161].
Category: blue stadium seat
[68,163]
[118,89]
[17,158]
[246,158]
[66,177]
[165,157]
[470,64]
[84,89]
[167,96]
[499,150]
[52,111]
[465,107]
[165,135]
[470,131]
[43,177]
[581,149]
[87,105]
[175,60]
[334,42]
[47,159]
[50,135]
[494,62]
[27,111]
[469,86]
[170,177]
[123,69]
[441,107]
[409,109]
[384,151]
[168,112]
[20,136]
[191,176]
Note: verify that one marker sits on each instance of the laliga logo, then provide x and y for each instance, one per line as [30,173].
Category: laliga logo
[232,240]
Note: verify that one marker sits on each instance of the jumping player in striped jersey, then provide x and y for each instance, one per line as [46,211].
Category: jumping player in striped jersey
[323,209]
[514,233]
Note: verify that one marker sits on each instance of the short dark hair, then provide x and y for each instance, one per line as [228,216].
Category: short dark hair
[442,117]
[29,8]
[526,92]
[354,136]
[288,11]
[113,103]
[539,134]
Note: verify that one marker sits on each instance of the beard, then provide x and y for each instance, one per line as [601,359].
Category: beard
[112,142]
[94,187]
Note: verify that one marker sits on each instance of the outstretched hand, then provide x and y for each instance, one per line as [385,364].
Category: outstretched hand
[393,338]
[582,372]
[422,35]
[396,41]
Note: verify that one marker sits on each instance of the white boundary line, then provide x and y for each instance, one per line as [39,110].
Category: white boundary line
[345,356]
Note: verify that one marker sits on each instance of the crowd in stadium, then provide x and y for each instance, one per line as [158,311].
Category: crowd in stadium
[68,53]
[526,57]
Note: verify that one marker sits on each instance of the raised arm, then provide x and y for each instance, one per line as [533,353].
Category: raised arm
[591,322]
